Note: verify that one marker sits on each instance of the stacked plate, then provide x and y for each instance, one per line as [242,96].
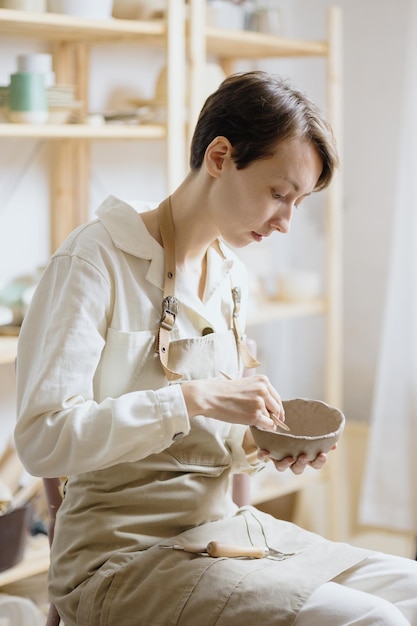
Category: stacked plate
[63,107]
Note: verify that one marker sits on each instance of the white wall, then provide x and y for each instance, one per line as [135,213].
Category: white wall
[374,42]
[374,38]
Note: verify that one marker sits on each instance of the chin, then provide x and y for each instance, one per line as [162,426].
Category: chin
[242,242]
[237,244]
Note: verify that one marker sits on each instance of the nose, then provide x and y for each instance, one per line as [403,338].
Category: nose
[282,220]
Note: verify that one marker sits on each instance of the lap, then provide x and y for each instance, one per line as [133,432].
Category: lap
[168,587]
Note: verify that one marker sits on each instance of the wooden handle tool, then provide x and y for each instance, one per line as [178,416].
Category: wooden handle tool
[218,549]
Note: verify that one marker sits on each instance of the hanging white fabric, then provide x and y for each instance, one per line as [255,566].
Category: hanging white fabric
[389,494]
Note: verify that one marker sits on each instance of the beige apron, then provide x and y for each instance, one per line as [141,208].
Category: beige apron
[107,567]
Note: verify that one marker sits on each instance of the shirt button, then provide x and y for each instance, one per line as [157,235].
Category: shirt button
[207,331]
[177,436]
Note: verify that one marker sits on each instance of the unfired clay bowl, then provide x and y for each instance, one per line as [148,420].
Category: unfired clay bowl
[315,427]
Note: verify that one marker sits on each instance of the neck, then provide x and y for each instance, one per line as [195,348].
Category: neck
[194,229]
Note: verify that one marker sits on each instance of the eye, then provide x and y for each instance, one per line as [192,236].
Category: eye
[276,195]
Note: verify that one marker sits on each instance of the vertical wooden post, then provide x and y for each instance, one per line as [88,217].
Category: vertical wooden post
[176,87]
[196,54]
[334,377]
[334,339]
[70,158]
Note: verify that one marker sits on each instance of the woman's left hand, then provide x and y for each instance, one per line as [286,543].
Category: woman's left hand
[296,465]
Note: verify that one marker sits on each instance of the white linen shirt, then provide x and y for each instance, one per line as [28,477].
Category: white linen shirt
[81,341]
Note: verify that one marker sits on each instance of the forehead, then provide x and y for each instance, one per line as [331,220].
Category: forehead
[295,162]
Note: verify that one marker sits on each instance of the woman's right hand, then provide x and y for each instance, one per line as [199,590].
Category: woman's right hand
[249,400]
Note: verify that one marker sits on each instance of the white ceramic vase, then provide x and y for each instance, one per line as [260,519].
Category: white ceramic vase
[95,9]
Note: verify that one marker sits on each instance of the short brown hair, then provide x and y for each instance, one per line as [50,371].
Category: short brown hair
[255,110]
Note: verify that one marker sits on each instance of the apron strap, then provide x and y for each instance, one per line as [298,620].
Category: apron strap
[170,303]
[248,359]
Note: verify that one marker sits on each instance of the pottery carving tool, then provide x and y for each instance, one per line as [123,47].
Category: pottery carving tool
[218,549]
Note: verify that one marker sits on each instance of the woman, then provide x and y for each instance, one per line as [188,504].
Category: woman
[134,392]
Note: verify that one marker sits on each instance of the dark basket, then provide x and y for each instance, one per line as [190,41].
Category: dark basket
[14,527]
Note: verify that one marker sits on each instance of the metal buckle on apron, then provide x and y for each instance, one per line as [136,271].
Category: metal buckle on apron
[169,312]
[247,358]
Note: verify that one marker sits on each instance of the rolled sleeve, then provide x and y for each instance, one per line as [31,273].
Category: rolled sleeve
[176,423]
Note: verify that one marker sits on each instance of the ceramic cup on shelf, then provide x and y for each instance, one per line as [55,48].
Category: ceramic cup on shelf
[225,14]
[94,9]
[38,63]
[266,21]
[28,102]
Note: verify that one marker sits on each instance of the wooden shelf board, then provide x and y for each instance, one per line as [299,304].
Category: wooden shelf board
[251,45]
[56,27]
[35,561]
[222,42]
[83,131]
[8,349]
[272,310]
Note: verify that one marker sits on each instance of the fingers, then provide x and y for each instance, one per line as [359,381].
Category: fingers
[298,465]
[264,421]
[271,407]
[252,401]
[279,422]
[319,461]
[263,404]
[273,402]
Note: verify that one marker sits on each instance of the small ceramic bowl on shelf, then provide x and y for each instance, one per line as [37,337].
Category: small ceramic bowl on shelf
[94,9]
[314,427]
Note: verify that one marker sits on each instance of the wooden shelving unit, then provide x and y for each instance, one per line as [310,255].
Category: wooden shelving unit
[70,39]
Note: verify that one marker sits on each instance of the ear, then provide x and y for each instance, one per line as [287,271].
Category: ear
[218,152]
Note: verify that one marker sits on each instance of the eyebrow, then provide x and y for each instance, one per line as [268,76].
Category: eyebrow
[296,186]
[293,183]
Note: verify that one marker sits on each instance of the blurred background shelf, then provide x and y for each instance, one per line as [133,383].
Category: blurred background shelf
[266,310]
[8,348]
[84,131]
[54,27]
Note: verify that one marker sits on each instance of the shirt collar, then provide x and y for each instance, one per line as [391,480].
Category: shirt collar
[129,233]
[126,229]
